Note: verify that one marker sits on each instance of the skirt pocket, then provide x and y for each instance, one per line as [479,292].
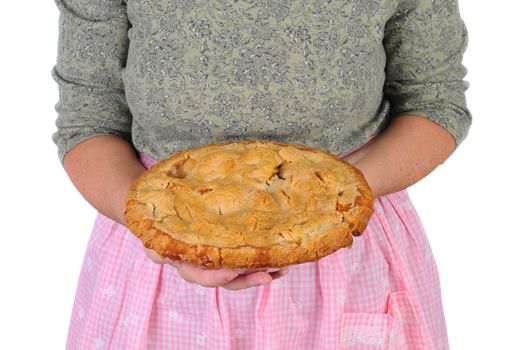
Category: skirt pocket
[366,331]
[395,329]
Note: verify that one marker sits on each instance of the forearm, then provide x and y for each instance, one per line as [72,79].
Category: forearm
[408,150]
[102,169]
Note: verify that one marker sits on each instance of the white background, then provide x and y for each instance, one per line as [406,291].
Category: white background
[473,206]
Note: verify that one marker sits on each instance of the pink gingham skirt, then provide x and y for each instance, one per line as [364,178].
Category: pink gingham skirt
[383,293]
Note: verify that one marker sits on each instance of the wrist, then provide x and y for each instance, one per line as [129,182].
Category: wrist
[119,205]
[370,177]
[370,169]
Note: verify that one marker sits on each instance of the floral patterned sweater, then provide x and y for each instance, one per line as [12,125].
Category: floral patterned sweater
[174,74]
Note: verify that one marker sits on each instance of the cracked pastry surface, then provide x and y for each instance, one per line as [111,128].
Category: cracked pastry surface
[249,204]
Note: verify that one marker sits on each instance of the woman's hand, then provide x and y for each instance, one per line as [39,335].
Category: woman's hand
[226,278]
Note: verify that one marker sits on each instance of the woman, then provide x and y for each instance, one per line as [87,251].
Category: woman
[380,83]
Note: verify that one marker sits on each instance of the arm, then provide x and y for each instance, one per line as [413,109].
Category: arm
[94,122]
[408,150]
[92,51]
[103,169]
[424,43]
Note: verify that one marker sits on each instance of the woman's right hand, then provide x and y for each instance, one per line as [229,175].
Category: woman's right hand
[223,277]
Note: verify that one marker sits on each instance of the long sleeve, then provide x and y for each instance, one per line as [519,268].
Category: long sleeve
[92,51]
[424,44]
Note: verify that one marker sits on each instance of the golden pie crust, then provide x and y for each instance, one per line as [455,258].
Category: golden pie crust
[249,204]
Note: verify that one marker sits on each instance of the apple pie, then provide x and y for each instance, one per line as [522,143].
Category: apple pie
[249,204]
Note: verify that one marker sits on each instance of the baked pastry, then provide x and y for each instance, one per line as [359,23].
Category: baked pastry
[249,204]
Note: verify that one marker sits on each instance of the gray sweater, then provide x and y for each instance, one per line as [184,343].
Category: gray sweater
[169,75]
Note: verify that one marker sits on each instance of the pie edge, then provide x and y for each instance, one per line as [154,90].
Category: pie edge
[253,257]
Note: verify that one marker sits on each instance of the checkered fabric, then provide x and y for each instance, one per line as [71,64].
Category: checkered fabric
[383,293]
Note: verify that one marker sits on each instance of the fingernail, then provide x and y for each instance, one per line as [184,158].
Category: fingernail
[284,272]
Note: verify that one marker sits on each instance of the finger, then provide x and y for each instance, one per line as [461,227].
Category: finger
[152,255]
[248,280]
[279,273]
[251,270]
[245,271]
[204,277]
